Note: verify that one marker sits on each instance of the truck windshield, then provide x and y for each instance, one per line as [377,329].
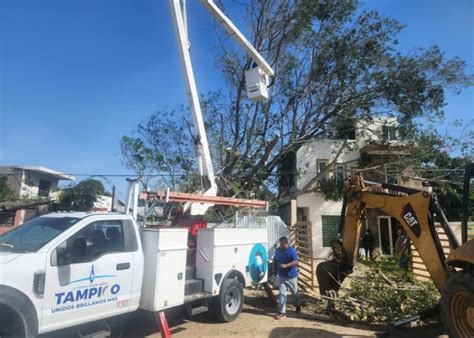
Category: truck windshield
[34,234]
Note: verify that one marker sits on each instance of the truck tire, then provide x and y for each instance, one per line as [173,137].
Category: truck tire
[457,305]
[17,314]
[228,304]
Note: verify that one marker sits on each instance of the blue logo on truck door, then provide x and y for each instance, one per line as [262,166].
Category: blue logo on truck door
[258,263]
[91,294]
[91,278]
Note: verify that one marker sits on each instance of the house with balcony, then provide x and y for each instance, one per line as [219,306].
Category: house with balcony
[306,175]
[33,182]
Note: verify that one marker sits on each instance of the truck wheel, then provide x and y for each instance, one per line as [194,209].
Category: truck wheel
[11,323]
[17,314]
[228,304]
[457,305]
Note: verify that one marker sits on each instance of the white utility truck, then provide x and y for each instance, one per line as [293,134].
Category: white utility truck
[65,269]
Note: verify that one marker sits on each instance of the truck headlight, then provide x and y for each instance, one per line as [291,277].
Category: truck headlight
[38,283]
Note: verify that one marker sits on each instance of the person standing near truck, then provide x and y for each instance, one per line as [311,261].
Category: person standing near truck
[286,260]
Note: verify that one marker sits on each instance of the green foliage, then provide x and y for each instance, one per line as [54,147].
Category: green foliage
[332,189]
[333,63]
[384,303]
[82,196]
[428,157]
[6,193]
[445,173]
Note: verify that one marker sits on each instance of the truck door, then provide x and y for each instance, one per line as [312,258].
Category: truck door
[90,275]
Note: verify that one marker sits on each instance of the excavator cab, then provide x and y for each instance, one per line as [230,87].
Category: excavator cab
[416,210]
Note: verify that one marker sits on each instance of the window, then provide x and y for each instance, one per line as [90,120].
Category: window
[35,233]
[340,173]
[302,214]
[330,229]
[44,187]
[389,133]
[107,237]
[387,234]
[321,166]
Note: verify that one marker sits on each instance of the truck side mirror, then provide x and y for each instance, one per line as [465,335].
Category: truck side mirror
[81,250]
[62,255]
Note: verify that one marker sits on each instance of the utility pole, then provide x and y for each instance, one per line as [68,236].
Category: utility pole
[468,173]
[113,199]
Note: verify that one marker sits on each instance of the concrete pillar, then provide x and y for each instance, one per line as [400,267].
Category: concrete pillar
[19,217]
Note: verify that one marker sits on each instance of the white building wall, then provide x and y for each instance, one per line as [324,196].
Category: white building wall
[308,155]
[30,186]
[103,202]
[367,132]
[317,207]
[327,149]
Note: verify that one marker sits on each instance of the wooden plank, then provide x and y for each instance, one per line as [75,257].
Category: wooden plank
[305,269]
[305,256]
[308,278]
[306,264]
[421,272]
[305,250]
[305,283]
[304,244]
[173,196]
[419,266]
[417,260]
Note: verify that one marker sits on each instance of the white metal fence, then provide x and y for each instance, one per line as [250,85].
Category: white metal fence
[275,226]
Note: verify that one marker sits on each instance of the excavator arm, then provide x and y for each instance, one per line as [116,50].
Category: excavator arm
[414,210]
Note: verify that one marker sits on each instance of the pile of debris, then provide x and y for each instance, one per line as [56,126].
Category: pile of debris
[380,292]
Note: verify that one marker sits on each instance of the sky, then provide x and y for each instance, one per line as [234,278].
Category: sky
[77,75]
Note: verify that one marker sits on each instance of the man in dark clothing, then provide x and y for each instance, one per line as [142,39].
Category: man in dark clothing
[367,242]
[286,260]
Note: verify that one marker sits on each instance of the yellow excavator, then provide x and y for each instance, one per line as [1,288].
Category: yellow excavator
[416,211]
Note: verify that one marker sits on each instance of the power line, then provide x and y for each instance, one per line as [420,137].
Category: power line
[356,169]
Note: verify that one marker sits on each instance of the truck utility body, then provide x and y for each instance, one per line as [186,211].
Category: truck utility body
[67,269]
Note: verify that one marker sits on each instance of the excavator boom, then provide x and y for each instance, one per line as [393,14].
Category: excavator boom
[414,210]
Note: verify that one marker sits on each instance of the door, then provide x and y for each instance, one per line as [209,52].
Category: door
[388,227]
[85,287]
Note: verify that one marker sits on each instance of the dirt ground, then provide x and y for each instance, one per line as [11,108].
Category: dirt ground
[257,320]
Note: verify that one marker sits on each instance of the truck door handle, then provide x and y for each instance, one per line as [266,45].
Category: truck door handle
[123,266]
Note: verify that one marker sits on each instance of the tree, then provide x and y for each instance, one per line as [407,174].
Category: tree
[140,159]
[333,64]
[82,196]
[6,193]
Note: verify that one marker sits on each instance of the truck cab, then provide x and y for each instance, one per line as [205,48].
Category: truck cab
[65,269]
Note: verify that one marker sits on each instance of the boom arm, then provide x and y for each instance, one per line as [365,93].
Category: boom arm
[235,33]
[204,157]
[258,80]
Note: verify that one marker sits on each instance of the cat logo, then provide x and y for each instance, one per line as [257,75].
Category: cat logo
[408,214]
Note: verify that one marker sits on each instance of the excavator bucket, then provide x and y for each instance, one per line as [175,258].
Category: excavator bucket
[329,278]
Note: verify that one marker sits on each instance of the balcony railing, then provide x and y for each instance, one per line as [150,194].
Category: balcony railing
[43,193]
